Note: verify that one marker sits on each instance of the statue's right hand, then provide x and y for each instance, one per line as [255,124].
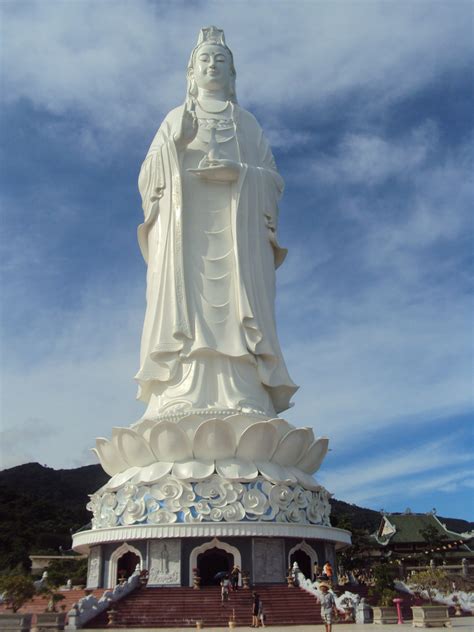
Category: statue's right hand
[188,126]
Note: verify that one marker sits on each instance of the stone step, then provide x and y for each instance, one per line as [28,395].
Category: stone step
[181,607]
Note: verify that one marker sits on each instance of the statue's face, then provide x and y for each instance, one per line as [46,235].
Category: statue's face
[212,68]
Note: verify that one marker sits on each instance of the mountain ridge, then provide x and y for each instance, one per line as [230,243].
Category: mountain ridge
[40,507]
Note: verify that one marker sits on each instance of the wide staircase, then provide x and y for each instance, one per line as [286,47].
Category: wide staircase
[182,607]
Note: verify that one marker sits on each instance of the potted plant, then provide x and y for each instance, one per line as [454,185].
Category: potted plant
[196,580]
[143,577]
[383,593]
[290,578]
[16,590]
[385,612]
[428,582]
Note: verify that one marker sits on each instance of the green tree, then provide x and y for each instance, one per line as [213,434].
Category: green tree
[433,540]
[16,590]
[59,571]
[356,555]
[383,591]
[429,581]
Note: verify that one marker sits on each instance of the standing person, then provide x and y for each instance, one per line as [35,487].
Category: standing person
[327,571]
[255,608]
[234,577]
[328,606]
[225,583]
[261,614]
[316,571]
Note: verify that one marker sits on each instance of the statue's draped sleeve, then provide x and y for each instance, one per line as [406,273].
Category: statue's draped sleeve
[256,202]
[161,241]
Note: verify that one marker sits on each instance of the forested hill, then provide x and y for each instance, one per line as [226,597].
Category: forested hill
[40,507]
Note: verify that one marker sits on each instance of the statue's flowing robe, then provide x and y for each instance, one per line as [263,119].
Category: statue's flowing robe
[168,328]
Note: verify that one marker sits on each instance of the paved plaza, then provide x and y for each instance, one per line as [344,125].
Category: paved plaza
[464,624]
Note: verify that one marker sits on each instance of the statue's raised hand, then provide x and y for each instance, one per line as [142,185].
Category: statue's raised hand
[188,126]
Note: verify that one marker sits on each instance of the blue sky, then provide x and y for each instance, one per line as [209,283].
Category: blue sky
[368,106]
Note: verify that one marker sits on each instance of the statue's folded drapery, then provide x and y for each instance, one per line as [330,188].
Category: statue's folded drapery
[168,340]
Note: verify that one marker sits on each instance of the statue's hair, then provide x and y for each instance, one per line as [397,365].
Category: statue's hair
[192,89]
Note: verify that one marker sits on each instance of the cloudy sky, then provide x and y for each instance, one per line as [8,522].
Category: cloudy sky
[368,106]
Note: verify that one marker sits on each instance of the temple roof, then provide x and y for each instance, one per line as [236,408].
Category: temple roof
[408,528]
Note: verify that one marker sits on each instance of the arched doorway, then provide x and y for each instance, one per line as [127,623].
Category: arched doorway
[126,565]
[305,556]
[119,561]
[218,563]
[304,562]
[211,562]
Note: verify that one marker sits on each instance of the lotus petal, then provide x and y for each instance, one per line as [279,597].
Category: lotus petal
[236,469]
[109,456]
[144,427]
[152,473]
[170,443]
[281,426]
[120,479]
[133,448]
[214,439]
[291,447]
[241,422]
[311,461]
[190,424]
[305,479]
[193,470]
[258,442]
[275,473]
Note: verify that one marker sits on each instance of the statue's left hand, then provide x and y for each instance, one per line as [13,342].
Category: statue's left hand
[218,170]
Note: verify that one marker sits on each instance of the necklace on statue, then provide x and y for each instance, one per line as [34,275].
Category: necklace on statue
[213,107]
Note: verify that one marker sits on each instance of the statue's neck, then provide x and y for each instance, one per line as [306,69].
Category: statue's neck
[213,95]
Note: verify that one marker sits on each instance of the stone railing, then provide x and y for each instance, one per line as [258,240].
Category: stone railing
[464,599]
[89,607]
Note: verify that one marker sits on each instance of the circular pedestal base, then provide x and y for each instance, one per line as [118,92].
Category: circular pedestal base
[173,554]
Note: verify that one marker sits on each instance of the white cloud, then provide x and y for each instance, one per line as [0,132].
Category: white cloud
[123,65]
[370,159]
[387,474]
[376,322]
[74,369]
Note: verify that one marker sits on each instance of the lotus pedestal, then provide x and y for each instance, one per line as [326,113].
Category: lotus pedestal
[197,492]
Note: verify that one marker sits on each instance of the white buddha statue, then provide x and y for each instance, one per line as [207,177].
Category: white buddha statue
[210,192]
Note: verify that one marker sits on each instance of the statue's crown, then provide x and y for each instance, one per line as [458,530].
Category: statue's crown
[211,35]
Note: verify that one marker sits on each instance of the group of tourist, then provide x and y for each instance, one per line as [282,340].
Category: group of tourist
[230,581]
[325,573]
[324,577]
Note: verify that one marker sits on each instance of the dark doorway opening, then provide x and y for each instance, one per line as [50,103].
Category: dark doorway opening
[126,565]
[304,562]
[212,562]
